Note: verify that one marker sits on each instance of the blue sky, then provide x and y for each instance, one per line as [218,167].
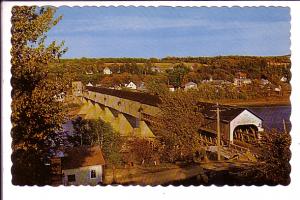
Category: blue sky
[167,31]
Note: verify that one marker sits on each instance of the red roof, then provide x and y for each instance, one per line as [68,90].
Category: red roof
[82,156]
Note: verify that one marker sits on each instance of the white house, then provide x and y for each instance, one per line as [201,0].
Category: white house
[89,84]
[107,71]
[82,166]
[190,85]
[171,88]
[264,81]
[131,85]
[243,81]
[283,79]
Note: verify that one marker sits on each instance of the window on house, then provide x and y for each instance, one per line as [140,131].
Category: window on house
[93,173]
[71,178]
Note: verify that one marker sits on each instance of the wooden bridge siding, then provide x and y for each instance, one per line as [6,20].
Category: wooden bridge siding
[129,107]
[96,105]
[211,124]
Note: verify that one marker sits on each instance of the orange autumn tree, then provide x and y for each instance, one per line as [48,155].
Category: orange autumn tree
[36,116]
[177,126]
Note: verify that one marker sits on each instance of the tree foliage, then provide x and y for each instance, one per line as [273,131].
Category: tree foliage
[178,124]
[273,161]
[97,132]
[35,115]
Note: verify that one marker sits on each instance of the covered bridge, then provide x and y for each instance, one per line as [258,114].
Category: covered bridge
[232,119]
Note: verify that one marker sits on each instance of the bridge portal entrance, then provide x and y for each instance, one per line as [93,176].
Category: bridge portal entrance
[246,133]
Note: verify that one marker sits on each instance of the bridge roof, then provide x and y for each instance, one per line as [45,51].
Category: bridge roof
[143,98]
[227,113]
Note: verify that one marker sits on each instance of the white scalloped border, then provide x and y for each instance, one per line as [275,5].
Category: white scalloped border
[148,192]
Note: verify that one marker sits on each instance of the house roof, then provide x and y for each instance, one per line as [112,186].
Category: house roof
[227,113]
[82,156]
[144,98]
[190,83]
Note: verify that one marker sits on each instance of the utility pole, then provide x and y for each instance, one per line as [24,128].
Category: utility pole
[218,132]
[284,126]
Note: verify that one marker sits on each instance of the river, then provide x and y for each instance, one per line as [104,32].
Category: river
[273,116]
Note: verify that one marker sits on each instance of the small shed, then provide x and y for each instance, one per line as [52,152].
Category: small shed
[82,166]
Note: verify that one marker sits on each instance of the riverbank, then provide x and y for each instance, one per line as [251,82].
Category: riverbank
[268,101]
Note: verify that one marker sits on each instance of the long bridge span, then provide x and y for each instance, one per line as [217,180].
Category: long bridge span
[129,113]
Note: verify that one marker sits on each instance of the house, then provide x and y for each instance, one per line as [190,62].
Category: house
[190,85]
[232,119]
[60,97]
[107,71]
[241,75]
[241,79]
[239,82]
[155,69]
[141,87]
[82,166]
[284,79]
[77,88]
[89,73]
[171,88]
[264,81]
[89,84]
[131,85]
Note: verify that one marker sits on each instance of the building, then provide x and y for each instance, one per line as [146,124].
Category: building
[89,73]
[241,75]
[131,85]
[77,88]
[190,85]
[171,88]
[141,87]
[89,84]
[82,166]
[155,69]
[232,119]
[107,71]
[284,79]
[60,97]
[241,79]
[264,81]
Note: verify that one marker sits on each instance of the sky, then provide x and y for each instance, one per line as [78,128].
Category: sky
[167,31]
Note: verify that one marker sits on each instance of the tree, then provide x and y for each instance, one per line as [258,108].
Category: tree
[97,132]
[273,167]
[145,151]
[176,74]
[178,124]
[156,84]
[36,116]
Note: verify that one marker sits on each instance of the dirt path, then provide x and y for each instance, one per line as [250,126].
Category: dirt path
[155,177]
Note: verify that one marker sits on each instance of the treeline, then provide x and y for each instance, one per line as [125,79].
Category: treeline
[170,59]
[179,70]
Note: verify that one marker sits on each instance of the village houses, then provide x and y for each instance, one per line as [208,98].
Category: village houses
[107,71]
[241,79]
